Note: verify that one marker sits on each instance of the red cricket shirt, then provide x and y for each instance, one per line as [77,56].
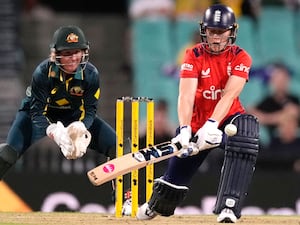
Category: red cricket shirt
[213,71]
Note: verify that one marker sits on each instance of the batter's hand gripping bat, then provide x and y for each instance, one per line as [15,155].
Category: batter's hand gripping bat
[132,161]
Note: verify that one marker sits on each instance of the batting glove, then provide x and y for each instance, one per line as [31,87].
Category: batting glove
[184,138]
[209,136]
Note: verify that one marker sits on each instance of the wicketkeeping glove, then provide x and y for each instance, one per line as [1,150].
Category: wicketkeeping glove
[209,136]
[80,137]
[72,140]
[59,134]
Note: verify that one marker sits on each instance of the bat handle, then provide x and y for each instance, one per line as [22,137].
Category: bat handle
[192,150]
[194,139]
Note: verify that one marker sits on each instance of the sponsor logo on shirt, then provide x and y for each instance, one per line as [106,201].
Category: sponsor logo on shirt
[53,91]
[242,68]
[212,93]
[187,67]
[205,73]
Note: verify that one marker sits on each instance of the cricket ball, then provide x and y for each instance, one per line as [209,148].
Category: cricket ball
[230,129]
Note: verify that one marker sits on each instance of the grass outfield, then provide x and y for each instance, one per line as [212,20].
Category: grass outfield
[67,218]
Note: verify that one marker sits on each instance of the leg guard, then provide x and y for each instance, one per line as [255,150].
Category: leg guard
[166,197]
[239,164]
[8,157]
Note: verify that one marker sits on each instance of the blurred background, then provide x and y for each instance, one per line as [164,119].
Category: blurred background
[137,46]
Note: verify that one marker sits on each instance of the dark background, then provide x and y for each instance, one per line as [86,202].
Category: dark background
[87,6]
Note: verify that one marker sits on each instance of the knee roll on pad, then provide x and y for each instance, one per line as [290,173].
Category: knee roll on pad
[8,157]
[239,164]
[166,197]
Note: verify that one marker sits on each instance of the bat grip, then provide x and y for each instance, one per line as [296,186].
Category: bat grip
[193,139]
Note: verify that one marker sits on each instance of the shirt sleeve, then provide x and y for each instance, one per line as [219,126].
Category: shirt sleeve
[39,95]
[189,67]
[91,96]
[241,64]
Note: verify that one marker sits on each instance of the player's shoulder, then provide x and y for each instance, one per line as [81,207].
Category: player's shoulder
[44,64]
[237,50]
[91,73]
[91,69]
[42,68]
[241,54]
[196,50]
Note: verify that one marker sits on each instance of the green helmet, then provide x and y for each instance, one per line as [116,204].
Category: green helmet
[69,37]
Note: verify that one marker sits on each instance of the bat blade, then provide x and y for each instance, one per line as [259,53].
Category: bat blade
[131,161]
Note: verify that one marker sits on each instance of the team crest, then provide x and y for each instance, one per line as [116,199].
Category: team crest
[52,74]
[229,69]
[76,90]
[217,16]
[72,38]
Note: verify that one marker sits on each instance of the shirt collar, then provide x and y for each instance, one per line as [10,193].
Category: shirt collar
[55,72]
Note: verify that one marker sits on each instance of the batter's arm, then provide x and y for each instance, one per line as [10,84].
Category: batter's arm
[186,98]
[232,90]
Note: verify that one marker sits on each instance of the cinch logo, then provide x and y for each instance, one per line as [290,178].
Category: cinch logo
[108,168]
[242,68]
[186,66]
[212,93]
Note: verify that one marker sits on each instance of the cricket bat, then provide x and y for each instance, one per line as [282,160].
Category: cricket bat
[132,161]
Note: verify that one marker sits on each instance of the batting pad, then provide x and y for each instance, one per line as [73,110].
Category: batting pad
[166,197]
[240,157]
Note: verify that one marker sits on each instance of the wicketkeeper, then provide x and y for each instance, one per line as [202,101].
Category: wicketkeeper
[212,76]
[61,103]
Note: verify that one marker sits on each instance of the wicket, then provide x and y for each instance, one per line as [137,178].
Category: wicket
[135,106]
